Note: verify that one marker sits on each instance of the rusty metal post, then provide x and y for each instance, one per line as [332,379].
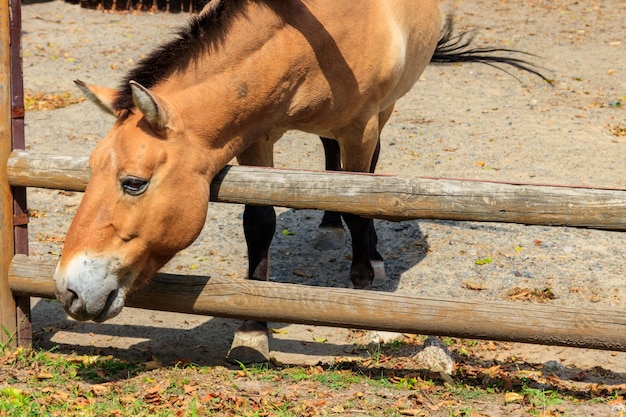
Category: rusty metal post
[14,312]
[18,141]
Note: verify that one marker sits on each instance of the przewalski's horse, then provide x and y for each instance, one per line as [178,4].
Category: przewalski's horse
[236,78]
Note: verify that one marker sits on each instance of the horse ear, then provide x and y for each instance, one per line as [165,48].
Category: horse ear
[103,97]
[153,109]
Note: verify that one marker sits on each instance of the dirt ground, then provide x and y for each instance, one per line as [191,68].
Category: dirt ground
[463,121]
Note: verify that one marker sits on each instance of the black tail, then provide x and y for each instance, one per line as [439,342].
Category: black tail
[458,48]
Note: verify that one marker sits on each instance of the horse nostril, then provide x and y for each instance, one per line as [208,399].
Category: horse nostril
[72,301]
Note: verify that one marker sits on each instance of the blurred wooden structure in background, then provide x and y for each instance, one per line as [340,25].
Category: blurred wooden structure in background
[171,6]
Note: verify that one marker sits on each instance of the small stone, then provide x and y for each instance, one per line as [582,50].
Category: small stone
[435,356]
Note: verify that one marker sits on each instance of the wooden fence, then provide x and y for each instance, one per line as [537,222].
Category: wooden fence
[377,196]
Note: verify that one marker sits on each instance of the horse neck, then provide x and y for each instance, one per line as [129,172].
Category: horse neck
[231,96]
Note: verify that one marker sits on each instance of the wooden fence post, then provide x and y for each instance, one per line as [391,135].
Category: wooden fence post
[8,311]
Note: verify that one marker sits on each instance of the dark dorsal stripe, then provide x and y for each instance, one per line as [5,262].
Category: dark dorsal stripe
[203,33]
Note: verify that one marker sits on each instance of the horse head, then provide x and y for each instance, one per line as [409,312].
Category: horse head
[146,200]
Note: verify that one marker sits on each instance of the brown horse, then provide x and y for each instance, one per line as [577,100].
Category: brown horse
[236,78]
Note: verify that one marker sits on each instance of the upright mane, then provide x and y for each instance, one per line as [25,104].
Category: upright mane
[203,32]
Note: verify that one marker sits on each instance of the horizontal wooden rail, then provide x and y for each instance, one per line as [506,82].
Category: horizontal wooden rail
[377,196]
[290,303]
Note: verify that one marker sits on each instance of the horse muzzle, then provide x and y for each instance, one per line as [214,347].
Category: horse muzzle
[89,289]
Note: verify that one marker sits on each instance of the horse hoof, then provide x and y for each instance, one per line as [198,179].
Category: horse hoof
[379,272]
[329,238]
[249,347]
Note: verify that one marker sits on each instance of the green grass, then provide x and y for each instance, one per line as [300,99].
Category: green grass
[380,383]
[9,337]
[333,379]
[48,384]
[541,400]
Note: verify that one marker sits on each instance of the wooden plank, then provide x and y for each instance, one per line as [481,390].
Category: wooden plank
[378,196]
[48,171]
[290,303]
[8,312]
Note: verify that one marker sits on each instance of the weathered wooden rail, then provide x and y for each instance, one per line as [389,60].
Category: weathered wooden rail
[290,303]
[378,196]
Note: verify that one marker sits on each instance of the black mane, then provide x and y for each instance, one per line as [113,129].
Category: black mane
[202,33]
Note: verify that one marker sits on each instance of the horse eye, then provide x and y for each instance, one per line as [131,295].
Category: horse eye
[134,186]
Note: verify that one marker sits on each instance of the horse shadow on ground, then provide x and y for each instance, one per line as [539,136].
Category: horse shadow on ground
[293,260]
[208,343]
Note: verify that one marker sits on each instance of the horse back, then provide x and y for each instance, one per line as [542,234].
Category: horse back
[358,57]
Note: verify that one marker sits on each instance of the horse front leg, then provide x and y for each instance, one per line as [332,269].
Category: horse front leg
[251,339]
[330,233]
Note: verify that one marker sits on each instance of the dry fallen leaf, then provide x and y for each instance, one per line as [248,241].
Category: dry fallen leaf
[98,389]
[513,397]
[153,364]
[535,294]
[412,412]
[189,388]
[474,286]
[617,130]
[43,101]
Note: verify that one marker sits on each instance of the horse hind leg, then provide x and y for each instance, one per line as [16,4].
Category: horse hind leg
[365,246]
[378,263]
[330,233]
[376,259]
[367,262]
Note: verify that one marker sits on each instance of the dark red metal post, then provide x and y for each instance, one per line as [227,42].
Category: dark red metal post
[20,211]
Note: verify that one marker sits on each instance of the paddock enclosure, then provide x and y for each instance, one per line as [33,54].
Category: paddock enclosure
[497,196]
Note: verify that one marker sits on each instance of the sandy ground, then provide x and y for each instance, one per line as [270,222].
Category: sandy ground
[465,121]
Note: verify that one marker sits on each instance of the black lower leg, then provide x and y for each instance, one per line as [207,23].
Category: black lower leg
[364,237]
[373,244]
[361,271]
[373,237]
[332,156]
[259,224]
[331,219]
